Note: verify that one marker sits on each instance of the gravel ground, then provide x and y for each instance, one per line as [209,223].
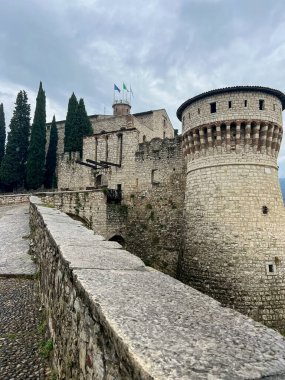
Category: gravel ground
[20,335]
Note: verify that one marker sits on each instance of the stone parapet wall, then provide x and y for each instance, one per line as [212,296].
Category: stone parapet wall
[110,317]
[91,206]
[13,199]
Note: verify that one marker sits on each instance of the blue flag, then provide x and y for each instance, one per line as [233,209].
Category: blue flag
[116,88]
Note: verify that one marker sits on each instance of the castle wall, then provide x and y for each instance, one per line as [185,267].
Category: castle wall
[72,176]
[153,183]
[155,219]
[150,124]
[110,317]
[157,121]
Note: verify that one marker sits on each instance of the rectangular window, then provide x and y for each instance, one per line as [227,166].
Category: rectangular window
[189,115]
[274,107]
[271,268]
[245,103]
[213,107]
[230,104]
[261,104]
[198,111]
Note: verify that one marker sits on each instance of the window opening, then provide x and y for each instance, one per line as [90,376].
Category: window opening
[264,210]
[213,107]
[270,268]
[245,103]
[198,111]
[230,104]
[261,104]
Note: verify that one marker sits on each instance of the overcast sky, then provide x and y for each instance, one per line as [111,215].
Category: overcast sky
[168,50]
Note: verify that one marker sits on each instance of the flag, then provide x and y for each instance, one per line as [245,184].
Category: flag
[116,88]
[125,87]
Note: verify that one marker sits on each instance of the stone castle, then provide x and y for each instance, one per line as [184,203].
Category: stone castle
[205,208]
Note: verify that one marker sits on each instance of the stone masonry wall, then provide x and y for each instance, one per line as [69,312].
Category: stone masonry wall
[155,218]
[90,206]
[13,199]
[110,317]
[199,113]
[234,213]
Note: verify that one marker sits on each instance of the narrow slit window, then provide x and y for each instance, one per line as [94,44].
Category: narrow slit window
[264,210]
[261,104]
[213,107]
[198,111]
[245,103]
[230,104]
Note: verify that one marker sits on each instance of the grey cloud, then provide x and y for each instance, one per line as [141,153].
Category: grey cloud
[169,51]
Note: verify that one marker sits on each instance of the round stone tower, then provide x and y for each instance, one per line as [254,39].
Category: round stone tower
[121,108]
[235,231]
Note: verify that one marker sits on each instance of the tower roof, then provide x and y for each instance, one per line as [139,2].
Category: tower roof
[267,90]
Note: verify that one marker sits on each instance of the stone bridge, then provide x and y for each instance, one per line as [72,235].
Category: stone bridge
[111,317]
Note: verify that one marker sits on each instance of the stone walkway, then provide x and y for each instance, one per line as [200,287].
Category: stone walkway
[20,319]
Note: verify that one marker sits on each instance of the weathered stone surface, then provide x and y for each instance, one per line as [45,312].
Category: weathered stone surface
[126,322]
[14,235]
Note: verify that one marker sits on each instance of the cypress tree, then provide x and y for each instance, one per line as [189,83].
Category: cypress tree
[2,132]
[36,153]
[14,162]
[50,179]
[70,124]
[82,127]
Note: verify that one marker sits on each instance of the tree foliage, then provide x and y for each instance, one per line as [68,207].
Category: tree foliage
[36,154]
[70,124]
[50,179]
[14,162]
[2,132]
[82,126]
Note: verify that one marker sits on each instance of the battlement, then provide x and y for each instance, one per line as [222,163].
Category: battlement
[157,149]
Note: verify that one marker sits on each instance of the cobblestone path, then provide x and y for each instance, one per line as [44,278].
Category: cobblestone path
[20,335]
[20,319]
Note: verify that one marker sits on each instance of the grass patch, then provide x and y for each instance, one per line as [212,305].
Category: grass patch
[46,348]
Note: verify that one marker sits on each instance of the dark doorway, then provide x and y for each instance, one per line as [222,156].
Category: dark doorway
[119,239]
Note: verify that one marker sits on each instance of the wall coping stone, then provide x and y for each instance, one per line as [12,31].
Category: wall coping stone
[165,328]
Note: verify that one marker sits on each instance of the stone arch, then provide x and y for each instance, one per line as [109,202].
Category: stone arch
[119,239]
